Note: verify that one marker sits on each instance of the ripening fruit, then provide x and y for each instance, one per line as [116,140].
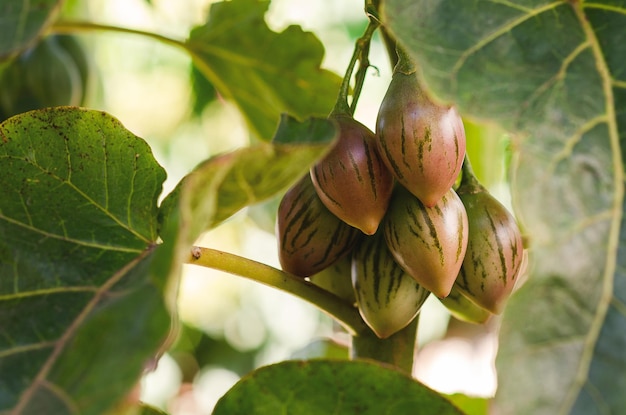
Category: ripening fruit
[388,298]
[428,242]
[310,238]
[351,180]
[463,308]
[336,279]
[494,250]
[422,143]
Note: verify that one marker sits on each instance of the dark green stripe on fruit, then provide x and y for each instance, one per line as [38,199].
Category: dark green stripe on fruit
[433,232]
[321,188]
[403,143]
[370,166]
[338,235]
[355,168]
[496,234]
[304,218]
[415,223]
[389,156]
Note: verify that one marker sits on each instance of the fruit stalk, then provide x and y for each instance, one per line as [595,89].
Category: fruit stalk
[347,315]
[361,52]
[397,350]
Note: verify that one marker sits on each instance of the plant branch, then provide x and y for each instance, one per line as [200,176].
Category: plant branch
[347,315]
[67,27]
[361,52]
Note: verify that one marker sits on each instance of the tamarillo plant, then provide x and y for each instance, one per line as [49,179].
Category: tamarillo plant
[92,250]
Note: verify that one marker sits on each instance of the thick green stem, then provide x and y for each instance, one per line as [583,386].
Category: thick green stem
[397,350]
[361,52]
[347,315]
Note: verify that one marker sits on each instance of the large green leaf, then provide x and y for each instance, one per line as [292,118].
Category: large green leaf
[81,308]
[228,182]
[22,21]
[554,72]
[265,73]
[331,387]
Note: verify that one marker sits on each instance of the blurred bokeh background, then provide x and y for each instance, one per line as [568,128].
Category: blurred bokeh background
[231,325]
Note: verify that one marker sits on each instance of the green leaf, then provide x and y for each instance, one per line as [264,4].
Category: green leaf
[331,387]
[81,309]
[22,21]
[224,184]
[265,73]
[203,91]
[554,73]
[470,405]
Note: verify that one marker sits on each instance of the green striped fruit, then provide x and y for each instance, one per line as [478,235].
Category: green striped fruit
[351,180]
[494,250]
[428,242]
[387,297]
[462,308]
[422,143]
[337,279]
[310,238]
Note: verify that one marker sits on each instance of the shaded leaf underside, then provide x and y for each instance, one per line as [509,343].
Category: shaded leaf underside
[22,21]
[555,72]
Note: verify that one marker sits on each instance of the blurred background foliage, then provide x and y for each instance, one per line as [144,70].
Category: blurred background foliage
[230,326]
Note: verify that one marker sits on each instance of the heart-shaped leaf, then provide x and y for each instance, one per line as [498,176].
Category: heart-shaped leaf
[81,305]
[554,73]
[265,73]
[331,387]
[22,21]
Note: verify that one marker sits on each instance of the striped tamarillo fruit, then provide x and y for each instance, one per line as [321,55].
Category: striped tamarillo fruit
[462,308]
[310,237]
[387,297]
[494,250]
[351,180]
[428,242]
[421,142]
[337,279]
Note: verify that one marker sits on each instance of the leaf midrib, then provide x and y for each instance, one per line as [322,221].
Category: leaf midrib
[41,377]
[614,233]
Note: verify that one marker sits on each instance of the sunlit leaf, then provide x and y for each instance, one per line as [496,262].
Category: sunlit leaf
[554,73]
[81,311]
[331,387]
[22,21]
[264,72]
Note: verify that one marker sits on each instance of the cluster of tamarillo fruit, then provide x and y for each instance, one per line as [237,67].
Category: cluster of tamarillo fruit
[381,221]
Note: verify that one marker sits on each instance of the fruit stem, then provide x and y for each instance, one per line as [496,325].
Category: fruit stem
[405,64]
[469,182]
[372,8]
[347,315]
[361,53]
[397,350]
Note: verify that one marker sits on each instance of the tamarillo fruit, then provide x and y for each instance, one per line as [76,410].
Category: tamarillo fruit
[351,180]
